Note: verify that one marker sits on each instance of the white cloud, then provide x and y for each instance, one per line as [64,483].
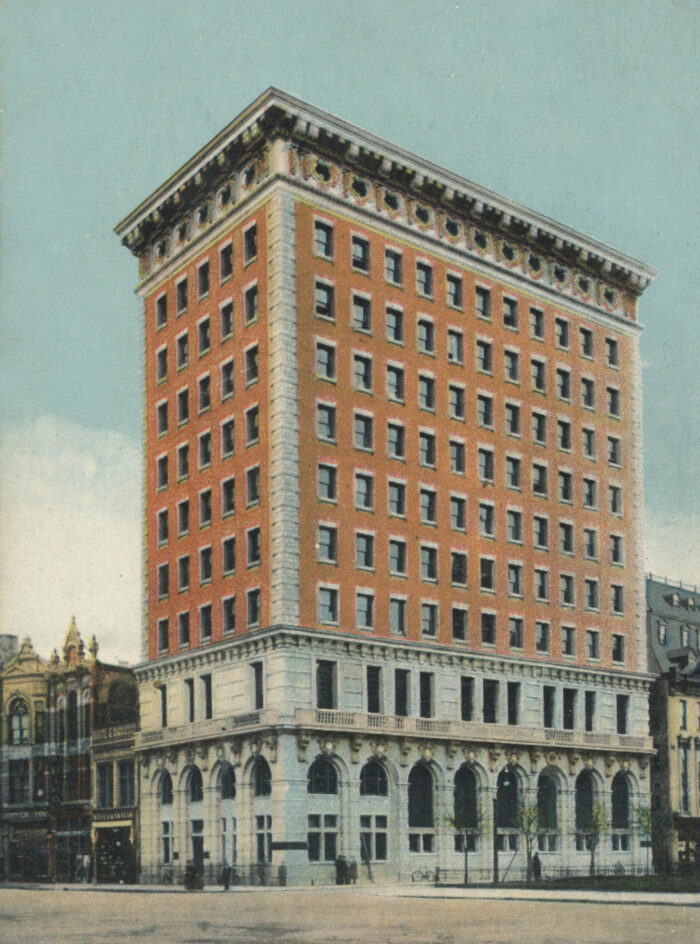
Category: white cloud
[671,545]
[70,536]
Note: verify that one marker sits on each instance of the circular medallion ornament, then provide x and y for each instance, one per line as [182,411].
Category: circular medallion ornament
[423,215]
[325,173]
[391,202]
[360,187]
[535,267]
[481,242]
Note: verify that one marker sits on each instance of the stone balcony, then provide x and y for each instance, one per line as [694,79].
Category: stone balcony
[207,730]
[447,730]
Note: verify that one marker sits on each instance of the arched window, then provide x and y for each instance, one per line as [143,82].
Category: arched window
[227,783]
[194,785]
[546,802]
[507,800]
[373,781]
[466,804]
[165,789]
[620,802]
[584,801]
[18,722]
[262,778]
[420,797]
[322,777]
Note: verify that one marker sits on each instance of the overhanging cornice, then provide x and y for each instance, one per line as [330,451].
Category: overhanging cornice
[278,114]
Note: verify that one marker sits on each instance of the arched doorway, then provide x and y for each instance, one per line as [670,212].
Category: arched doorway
[421,809]
[547,812]
[374,813]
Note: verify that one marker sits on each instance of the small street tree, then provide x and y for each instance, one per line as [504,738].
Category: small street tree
[653,822]
[469,825]
[598,825]
[529,826]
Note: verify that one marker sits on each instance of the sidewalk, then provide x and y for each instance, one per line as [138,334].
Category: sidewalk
[544,894]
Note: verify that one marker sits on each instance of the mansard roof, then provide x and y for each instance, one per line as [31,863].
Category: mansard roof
[277,114]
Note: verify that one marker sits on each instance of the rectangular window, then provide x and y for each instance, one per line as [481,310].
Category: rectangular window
[203,280]
[362,373]
[459,624]
[395,383]
[513,702]
[324,301]
[613,397]
[548,697]
[425,336]
[484,409]
[456,402]
[618,648]
[204,393]
[258,692]
[364,491]
[510,313]
[568,641]
[163,642]
[455,346]
[515,579]
[401,680]
[487,571]
[326,684]
[183,623]
[592,644]
[426,392]
[611,349]
[252,480]
[327,482]
[566,589]
[512,365]
[227,438]
[538,375]
[323,239]
[424,279]
[374,690]
[484,356]
[512,411]
[254,548]
[327,605]
[485,465]
[564,435]
[482,302]
[228,607]
[590,493]
[183,573]
[569,709]
[428,506]
[428,563]
[426,681]
[541,585]
[458,513]
[181,296]
[228,496]
[183,407]
[566,537]
[252,431]
[253,607]
[488,629]
[490,701]
[454,291]
[327,543]
[515,625]
[250,243]
[226,312]
[537,324]
[161,363]
[105,785]
[397,498]
[360,254]
[562,329]
[251,304]
[397,557]
[207,696]
[325,360]
[361,313]
[393,266]
[364,551]
[622,713]
[251,365]
[397,616]
[614,451]
[514,523]
[565,486]
[588,392]
[394,325]
[457,457]
[225,262]
[467,698]
[325,422]
[459,568]
[429,617]
[162,472]
[563,383]
[589,710]
[183,517]
[541,531]
[542,636]
[586,342]
[539,479]
[539,428]
[513,472]
[205,622]
[125,775]
[204,450]
[617,598]
[426,448]
[363,428]
[487,517]
[162,526]
[205,568]
[364,609]
[161,311]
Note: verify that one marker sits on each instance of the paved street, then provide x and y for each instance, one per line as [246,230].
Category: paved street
[331,916]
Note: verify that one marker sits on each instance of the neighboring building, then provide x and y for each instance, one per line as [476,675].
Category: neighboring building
[393,513]
[673,629]
[24,768]
[60,720]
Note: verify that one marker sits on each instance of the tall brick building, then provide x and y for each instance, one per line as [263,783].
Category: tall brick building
[393,550]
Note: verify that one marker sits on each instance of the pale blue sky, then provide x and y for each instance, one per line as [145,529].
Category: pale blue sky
[585,111]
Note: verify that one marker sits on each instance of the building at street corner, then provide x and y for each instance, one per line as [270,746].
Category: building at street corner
[673,628]
[393,560]
[66,766]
